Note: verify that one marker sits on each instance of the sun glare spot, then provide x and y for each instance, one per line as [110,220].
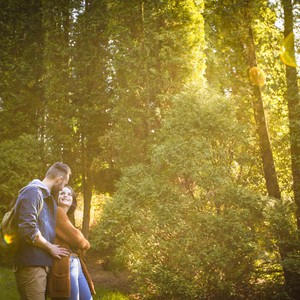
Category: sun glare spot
[287,54]
[8,239]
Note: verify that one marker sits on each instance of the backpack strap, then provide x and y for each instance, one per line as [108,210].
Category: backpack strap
[9,215]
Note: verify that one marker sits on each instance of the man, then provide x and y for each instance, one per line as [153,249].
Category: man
[35,217]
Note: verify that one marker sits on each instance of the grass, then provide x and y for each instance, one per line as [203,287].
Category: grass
[8,289]
[104,294]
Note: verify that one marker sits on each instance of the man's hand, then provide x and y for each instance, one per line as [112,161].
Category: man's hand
[54,250]
[57,251]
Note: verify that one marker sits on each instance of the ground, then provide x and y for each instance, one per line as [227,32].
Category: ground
[119,281]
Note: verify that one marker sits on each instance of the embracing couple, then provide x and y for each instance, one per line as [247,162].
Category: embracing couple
[49,260]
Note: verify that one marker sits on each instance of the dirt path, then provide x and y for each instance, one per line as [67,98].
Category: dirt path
[118,281]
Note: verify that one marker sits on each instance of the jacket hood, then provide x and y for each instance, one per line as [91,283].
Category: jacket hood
[38,183]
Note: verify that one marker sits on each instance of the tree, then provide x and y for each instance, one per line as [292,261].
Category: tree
[156,48]
[182,224]
[237,53]
[259,113]
[246,18]
[293,100]
[90,99]
[57,124]
[20,162]
[21,95]
[21,68]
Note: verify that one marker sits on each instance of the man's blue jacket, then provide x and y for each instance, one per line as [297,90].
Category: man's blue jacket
[31,218]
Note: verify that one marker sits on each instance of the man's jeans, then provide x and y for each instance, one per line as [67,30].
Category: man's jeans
[79,287]
[31,282]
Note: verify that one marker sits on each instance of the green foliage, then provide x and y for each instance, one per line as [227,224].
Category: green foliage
[198,139]
[21,67]
[161,43]
[90,96]
[91,82]
[107,295]
[227,70]
[183,225]
[280,216]
[57,111]
[20,162]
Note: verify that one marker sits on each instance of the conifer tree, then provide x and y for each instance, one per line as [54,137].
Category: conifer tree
[157,47]
[21,68]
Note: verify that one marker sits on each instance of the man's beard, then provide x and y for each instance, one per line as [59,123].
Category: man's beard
[55,190]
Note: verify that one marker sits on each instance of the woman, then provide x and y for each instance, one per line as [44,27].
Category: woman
[69,278]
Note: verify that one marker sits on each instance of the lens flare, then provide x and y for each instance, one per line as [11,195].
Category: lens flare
[287,54]
[8,239]
[257,76]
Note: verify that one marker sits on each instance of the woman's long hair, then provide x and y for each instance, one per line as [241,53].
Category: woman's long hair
[74,203]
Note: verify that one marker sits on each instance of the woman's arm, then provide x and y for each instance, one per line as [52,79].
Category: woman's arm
[66,231]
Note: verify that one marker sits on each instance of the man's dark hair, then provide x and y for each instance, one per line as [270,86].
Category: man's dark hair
[58,169]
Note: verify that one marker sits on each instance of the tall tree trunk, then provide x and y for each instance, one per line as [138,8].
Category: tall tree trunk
[292,279]
[147,116]
[66,21]
[260,119]
[87,198]
[87,189]
[293,99]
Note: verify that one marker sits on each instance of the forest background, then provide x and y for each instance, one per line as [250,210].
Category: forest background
[180,120]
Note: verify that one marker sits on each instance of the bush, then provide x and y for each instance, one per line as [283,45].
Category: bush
[184,225]
[20,162]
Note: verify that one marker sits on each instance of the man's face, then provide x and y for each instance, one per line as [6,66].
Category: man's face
[60,183]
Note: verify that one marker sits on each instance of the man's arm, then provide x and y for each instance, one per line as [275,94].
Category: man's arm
[54,250]
[27,223]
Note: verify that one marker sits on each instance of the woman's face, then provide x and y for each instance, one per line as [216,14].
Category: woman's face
[65,198]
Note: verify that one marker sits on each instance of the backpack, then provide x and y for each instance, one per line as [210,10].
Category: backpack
[9,237]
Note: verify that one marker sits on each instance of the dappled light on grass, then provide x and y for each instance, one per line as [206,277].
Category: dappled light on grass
[106,294]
